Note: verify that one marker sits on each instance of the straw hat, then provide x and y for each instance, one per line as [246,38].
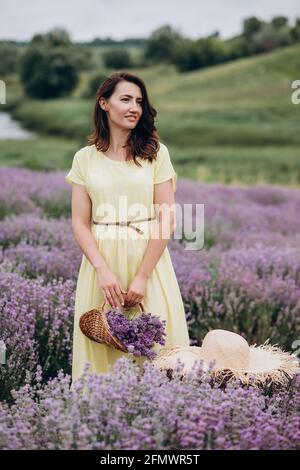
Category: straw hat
[227,355]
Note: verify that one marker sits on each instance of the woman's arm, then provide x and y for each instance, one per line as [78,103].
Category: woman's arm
[164,226]
[81,225]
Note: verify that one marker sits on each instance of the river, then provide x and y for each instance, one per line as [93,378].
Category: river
[11,129]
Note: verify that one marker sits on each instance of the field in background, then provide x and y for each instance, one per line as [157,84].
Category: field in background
[233,123]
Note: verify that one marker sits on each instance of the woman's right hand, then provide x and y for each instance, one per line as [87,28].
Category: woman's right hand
[113,292]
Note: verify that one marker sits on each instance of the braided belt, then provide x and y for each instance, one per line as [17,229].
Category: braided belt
[126,223]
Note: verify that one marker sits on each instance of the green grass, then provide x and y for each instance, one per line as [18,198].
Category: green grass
[58,117]
[45,153]
[240,165]
[232,123]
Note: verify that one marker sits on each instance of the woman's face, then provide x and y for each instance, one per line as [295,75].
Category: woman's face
[124,107]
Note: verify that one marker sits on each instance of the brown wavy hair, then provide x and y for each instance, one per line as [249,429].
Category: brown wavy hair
[143,139]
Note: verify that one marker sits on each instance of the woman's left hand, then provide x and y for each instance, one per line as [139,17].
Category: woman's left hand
[136,291]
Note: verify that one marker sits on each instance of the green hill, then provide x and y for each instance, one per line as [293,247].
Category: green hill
[230,122]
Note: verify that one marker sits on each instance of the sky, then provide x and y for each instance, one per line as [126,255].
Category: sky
[121,19]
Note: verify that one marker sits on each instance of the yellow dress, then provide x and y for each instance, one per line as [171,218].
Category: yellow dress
[123,187]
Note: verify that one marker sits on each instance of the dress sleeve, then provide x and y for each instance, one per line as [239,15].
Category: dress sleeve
[77,173]
[163,167]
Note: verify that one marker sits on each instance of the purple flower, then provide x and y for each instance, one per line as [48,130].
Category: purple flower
[139,334]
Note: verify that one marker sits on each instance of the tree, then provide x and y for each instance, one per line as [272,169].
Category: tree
[192,55]
[162,44]
[240,46]
[295,30]
[279,22]
[251,25]
[48,68]
[55,37]
[117,59]
[210,51]
[9,58]
[268,38]
[186,56]
[94,82]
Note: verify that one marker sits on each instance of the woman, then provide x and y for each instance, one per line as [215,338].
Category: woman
[123,175]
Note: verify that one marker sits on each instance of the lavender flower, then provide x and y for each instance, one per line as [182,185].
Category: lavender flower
[127,409]
[246,279]
[139,334]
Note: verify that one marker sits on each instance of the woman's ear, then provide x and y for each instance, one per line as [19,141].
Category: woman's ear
[102,105]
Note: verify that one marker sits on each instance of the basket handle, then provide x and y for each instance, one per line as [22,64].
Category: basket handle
[140,305]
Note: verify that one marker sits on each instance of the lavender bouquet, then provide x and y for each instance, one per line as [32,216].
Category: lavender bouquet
[137,334]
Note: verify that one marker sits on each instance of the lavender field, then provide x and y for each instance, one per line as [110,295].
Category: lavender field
[246,279]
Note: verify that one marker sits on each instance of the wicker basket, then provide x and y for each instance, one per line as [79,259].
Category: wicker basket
[94,325]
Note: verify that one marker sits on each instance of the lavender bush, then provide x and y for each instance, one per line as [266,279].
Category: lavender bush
[35,324]
[126,409]
[26,191]
[246,279]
